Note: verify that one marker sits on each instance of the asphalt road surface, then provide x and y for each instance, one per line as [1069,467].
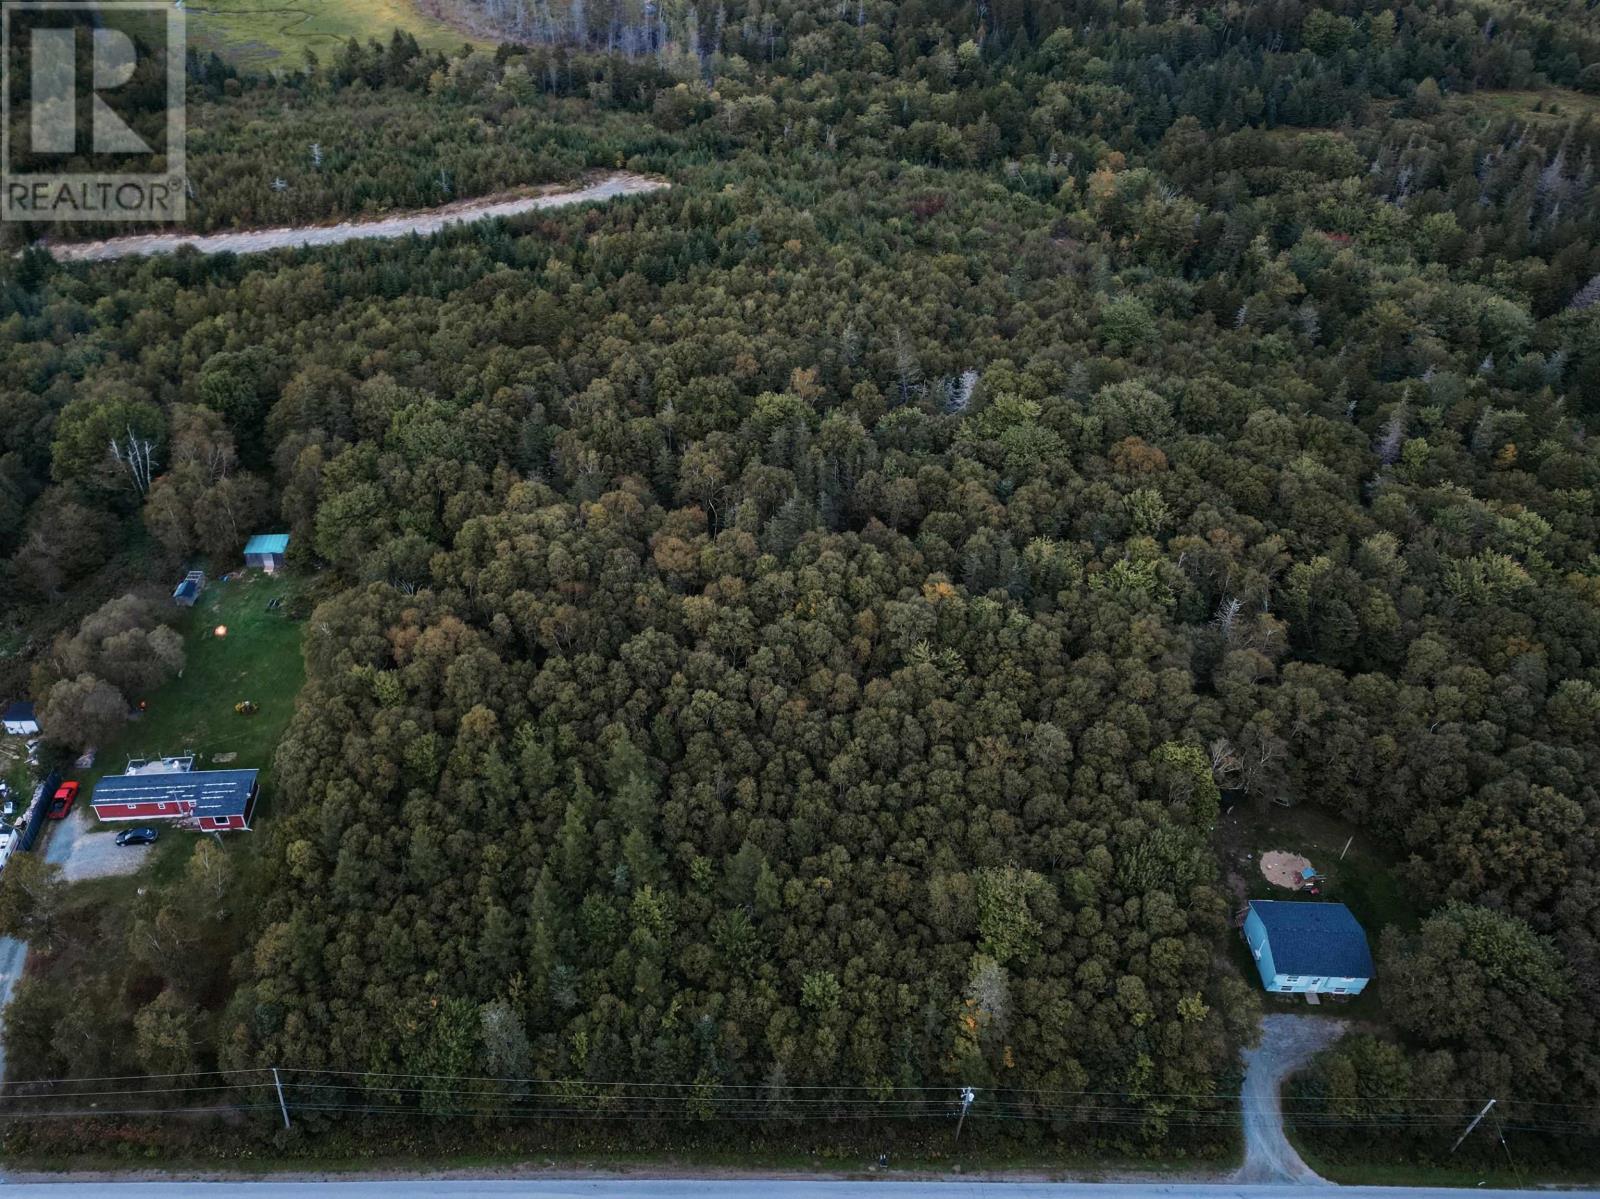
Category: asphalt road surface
[400,225]
[753,1188]
[1287,1043]
[13,956]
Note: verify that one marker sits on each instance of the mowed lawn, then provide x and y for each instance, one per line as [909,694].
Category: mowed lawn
[277,33]
[258,659]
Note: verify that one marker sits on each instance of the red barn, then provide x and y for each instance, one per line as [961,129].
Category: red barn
[170,789]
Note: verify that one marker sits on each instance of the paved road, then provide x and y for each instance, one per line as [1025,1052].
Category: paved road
[753,1188]
[1287,1043]
[400,225]
[82,853]
[13,956]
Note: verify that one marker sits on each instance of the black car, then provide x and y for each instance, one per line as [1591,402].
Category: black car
[137,836]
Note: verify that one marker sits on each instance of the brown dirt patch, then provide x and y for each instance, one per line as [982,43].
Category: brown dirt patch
[1283,869]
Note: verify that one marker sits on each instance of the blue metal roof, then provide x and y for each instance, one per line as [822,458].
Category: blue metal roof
[20,710]
[213,792]
[267,543]
[1314,938]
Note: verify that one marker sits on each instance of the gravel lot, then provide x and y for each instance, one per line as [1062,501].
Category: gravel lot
[82,853]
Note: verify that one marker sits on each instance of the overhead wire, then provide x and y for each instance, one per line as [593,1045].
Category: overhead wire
[498,1097]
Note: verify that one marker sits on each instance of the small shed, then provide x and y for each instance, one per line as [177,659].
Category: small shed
[20,720]
[1308,947]
[266,551]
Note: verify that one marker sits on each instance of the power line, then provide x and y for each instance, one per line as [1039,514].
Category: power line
[236,1086]
[545,1110]
[264,1074]
[921,1088]
[572,1099]
[55,1114]
[129,1077]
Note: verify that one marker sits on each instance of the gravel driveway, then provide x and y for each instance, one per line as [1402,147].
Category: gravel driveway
[1287,1043]
[13,957]
[84,848]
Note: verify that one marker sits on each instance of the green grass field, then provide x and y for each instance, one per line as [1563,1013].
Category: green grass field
[1551,105]
[1367,880]
[259,660]
[277,33]
[1410,1174]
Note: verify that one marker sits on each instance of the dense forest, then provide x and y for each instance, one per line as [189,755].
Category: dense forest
[786,636]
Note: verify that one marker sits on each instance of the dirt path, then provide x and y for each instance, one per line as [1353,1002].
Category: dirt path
[404,224]
[1287,1043]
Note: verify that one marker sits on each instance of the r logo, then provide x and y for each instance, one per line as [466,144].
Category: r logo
[103,85]
[54,100]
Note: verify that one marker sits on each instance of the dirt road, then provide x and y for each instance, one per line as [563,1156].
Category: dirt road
[403,224]
[1287,1043]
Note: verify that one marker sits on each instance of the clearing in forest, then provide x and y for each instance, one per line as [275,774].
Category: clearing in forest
[277,33]
[1541,106]
[257,659]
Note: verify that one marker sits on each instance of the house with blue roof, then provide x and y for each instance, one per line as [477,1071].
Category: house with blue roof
[267,551]
[1308,947]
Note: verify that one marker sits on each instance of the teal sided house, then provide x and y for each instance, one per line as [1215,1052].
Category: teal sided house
[1308,947]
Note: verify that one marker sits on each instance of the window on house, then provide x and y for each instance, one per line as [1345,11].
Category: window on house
[1340,990]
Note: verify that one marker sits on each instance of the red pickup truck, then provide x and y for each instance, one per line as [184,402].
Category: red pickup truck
[62,804]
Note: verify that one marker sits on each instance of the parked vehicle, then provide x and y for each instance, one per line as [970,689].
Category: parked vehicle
[66,794]
[137,836]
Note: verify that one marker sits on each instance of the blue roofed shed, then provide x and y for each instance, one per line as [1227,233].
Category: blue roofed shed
[266,551]
[20,720]
[1302,946]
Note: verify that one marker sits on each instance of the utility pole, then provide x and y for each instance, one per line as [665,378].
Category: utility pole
[1473,1125]
[284,1107]
[1500,1127]
[967,1096]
